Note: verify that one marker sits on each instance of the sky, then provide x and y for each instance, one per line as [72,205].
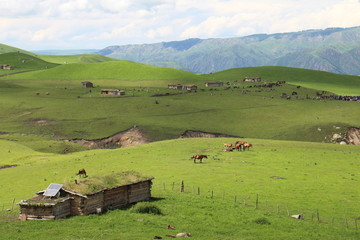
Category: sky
[96,24]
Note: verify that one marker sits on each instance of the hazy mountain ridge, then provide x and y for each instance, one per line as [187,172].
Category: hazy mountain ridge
[334,50]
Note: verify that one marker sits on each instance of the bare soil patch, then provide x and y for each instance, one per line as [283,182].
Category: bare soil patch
[7,166]
[196,134]
[353,136]
[130,137]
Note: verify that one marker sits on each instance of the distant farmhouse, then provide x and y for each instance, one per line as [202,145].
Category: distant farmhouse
[112,92]
[6,67]
[87,84]
[252,79]
[59,202]
[182,87]
[214,84]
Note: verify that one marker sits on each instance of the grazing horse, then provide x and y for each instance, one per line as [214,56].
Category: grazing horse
[200,157]
[82,172]
[239,145]
[247,146]
[227,145]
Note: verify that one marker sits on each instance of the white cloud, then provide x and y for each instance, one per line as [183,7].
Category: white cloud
[80,23]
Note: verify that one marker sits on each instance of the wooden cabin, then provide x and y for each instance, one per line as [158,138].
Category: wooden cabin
[252,79]
[214,84]
[190,87]
[112,92]
[175,86]
[67,203]
[6,67]
[182,87]
[87,84]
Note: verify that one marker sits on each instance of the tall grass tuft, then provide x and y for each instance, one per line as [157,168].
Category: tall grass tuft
[148,208]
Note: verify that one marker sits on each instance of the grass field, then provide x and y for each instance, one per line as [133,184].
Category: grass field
[300,176]
[79,58]
[288,169]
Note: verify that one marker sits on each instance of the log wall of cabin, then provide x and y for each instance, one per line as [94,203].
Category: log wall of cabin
[92,202]
[62,210]
[116,197]
[139,192]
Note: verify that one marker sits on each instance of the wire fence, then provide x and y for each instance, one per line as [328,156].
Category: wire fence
[260,202]
[9,209]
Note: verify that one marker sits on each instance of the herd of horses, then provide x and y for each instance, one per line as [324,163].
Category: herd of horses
[229,147]
[239,145]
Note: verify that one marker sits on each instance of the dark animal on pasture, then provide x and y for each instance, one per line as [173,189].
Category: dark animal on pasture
[199,157]
[170,227]
[82,172]
[247,146]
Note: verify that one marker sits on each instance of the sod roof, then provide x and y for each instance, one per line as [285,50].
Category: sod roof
[93,184]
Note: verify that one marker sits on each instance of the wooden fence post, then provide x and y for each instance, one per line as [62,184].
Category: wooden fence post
[257,201]
[346,223]
[212,193]
[278,209]
[182,186]
[12,207]
[235,199]
[356,224]
[198,190]
[173,185]
[318,215]
[287,210]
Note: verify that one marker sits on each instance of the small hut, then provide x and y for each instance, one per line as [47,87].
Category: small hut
[214,84]
[252,79]
[87,84]
[175,86]
[6,67]
[112,92]
[77,199]
[190,87]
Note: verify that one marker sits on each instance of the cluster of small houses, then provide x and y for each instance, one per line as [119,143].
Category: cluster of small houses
[209,84]
[87,84]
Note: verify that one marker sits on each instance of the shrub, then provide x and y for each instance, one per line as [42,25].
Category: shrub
[262,221]
[144,207]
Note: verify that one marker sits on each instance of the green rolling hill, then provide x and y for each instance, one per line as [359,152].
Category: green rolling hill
[6,49]
[80,58]
[22,62]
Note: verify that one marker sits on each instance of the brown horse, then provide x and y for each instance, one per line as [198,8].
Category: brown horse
[228,145]
[239,145]
[247,146]
[199,157]
[82,172]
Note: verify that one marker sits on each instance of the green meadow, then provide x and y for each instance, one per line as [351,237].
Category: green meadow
[299,177]
[293,167]
[79,58]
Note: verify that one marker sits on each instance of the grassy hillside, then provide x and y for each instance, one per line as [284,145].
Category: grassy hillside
[80,58]
[23,62]
[339,84]
[53,103]
[122,70]
[6,49]
[298,177]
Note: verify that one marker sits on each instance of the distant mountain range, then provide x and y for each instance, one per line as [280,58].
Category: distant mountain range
[334,50]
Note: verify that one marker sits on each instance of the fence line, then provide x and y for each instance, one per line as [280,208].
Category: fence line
[257,203]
